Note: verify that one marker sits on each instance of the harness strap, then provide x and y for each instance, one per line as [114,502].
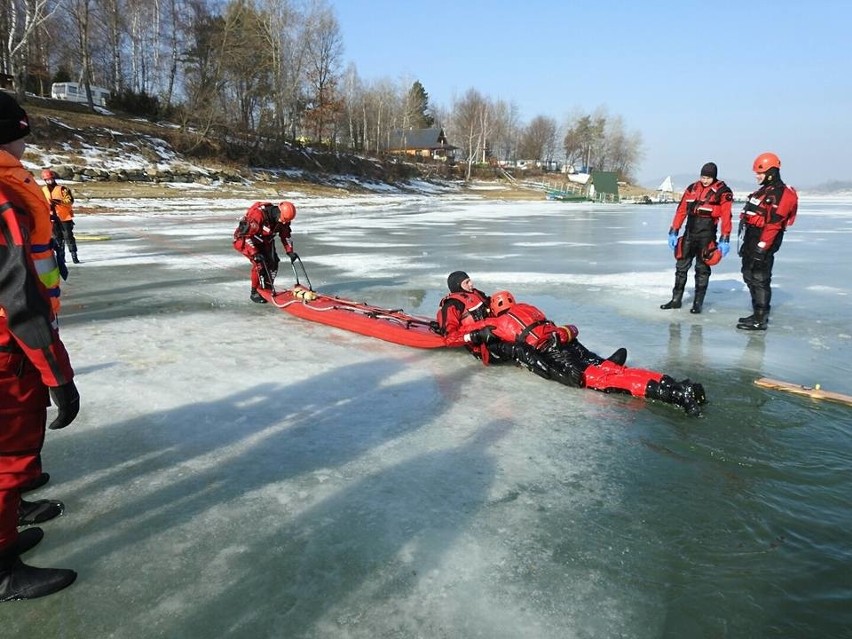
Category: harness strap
[522,336]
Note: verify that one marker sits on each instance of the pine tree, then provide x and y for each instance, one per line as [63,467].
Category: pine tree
[417,104]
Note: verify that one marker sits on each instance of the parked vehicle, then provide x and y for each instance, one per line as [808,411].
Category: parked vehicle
[76,92]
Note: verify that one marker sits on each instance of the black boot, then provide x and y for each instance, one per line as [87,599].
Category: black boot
[74,258]
[37,512]
[38,482]
[684,394]
[675,301]
[750,318]
[698,300]
[19,581]
[28,539]
[618,357]
[757,322]
[689,396]
[256,297]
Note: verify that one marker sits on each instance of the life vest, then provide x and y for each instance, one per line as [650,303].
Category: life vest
[61,199]
[255,234]
[762,207]
[474,307]
[23,192]
[526,324]
[706,203]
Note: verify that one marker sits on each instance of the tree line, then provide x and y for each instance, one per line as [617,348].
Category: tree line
[272,72]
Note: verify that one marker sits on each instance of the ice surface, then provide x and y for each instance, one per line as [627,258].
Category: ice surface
[239,472]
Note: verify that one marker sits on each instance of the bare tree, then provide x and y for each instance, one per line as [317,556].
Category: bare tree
[80,12]
[324,52]
[469,126]
[110,19]
[599,141]
[538,139]
[21,18]
[177,26]
[283,34]
[505,130]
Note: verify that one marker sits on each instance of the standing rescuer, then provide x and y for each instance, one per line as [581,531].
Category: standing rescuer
[34,365]
[705,204]
[61,202]
[767,214]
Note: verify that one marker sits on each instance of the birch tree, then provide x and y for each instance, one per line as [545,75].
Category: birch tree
[470,120]
[21,19]
[323,56]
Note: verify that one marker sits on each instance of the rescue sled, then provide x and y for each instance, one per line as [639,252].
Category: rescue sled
[390,325]
[814,392]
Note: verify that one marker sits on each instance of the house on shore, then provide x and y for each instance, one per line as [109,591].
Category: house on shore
[429,144]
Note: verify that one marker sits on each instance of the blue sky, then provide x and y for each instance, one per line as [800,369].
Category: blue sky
[721,81]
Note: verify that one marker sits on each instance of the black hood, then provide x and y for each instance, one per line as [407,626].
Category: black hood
[455,279]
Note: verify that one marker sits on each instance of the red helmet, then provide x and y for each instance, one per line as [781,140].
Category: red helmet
[288,212]
[711,255]
[766,161]
[501,301]
[47,174]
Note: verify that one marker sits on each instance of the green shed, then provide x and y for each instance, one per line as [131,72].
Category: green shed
[604,186]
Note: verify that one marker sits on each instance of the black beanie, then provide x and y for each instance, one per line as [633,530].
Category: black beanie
[455,280]
[14,123]
[709,170]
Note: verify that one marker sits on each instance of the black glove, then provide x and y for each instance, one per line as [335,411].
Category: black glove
[293,256]
[67,400]
[257,258]
[758,260]
[483,335]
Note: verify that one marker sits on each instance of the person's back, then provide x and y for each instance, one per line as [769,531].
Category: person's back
[526,323]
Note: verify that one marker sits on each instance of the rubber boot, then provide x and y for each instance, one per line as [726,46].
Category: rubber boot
[750,318]
[698,300]
[581,355]
[684,394]
[675,301]
[758,322]
[38,512]
[20,581]
[618,357]
[256,297]
[36,483]
[28,539]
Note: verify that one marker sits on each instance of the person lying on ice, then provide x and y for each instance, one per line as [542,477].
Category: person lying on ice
[515,322]
[464,309]
[254,237]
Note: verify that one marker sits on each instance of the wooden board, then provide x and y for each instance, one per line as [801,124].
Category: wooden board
[390,325]
[808,391]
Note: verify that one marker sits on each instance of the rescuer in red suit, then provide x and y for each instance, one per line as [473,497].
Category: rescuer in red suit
[34,365]
[465,309]
[255,238]
[705,205]
[513,322]
[767,214]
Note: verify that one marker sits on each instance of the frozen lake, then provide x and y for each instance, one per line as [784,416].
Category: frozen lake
[239,472]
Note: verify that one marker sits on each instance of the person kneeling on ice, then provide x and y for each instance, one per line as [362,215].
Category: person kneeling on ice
[464,310]
[255,238]
[514,322]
